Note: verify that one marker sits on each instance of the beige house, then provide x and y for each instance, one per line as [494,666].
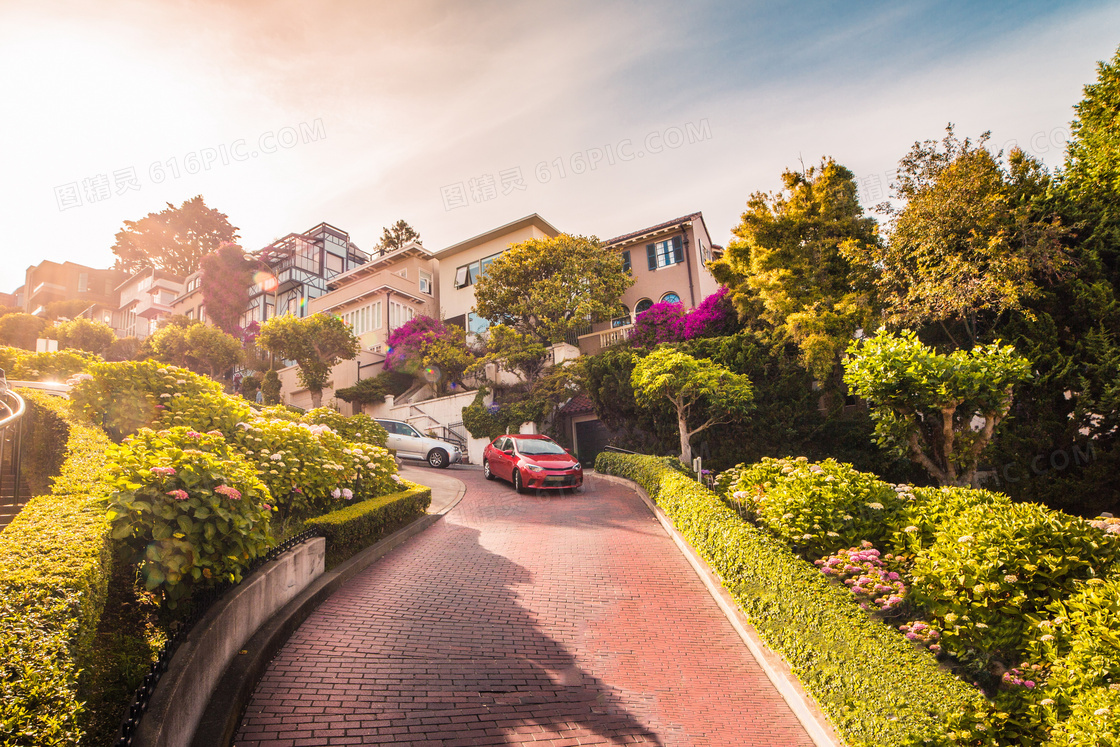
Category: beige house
[189,301]
[668,263]
[374,299]
[462,264]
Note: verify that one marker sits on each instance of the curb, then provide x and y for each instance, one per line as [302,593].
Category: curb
[229,699]
[814,721]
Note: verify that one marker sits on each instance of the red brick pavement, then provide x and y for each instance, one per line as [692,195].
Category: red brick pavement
[556,620]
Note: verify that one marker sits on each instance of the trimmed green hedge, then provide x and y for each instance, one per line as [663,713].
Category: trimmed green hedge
[351,529]
[877,689]
[55,563]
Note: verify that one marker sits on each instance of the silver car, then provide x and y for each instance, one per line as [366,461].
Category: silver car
[410,444]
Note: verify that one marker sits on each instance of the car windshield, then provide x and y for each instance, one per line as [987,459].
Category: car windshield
[538,446]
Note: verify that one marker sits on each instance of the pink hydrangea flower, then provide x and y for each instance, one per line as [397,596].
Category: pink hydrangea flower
[166,471]
[179,495]
[232,493]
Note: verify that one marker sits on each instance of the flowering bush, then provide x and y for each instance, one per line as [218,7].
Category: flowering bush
[669,322]
[662,322]
[867,576]
[126,396]
[360,427]
[818,509]
[922,633]
[23,365]
[990,568]
[309,469]
[932,508]
[189,509]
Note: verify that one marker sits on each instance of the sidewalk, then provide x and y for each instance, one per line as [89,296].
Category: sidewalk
[555,620]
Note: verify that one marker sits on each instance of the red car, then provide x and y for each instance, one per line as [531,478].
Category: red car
[531,462]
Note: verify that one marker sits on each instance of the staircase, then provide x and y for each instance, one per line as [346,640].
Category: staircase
[14,491]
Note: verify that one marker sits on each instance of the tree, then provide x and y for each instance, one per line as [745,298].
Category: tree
[68,309]
[964,249]
[515,353]
[697,389]
[316,343]
[123,349]
[548,288]
[226,277]
[791,262]
[430,351]
[174,239]
[82,334]
[1091,180]
[270,387]
[939,410]
[21,330]
[396,236]
[197,346]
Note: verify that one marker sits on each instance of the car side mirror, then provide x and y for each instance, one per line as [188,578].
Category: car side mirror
[507,452]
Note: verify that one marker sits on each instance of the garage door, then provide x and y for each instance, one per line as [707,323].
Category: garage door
[591,437]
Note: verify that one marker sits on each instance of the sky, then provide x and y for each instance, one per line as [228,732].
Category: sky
[603,117]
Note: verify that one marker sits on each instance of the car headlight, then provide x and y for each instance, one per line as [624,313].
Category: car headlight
[534,468]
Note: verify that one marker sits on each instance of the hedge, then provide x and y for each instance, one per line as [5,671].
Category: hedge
[55,563]
[351,529]
[877,688]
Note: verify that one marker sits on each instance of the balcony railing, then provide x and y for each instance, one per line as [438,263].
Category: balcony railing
[609,337]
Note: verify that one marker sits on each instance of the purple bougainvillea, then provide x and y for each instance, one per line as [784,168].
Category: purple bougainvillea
[669,322]
[407,340]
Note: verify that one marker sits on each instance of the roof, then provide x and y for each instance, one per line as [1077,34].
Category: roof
[482,238]
[378,263]
[654,229]
[578,404]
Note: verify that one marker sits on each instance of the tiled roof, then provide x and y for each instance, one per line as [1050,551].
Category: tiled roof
[577,405]
[651,229]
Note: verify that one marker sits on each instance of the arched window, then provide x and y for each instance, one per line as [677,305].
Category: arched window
[642,306]
[622,321]
[670,297]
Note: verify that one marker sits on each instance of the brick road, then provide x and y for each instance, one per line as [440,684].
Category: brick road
[558,620]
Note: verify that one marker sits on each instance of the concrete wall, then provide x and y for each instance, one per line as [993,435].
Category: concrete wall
[183,692]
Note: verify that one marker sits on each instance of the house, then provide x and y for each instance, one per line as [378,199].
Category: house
[374,298]
[144,299]
[189,302]
[462,264]
[668,263]
[49,281]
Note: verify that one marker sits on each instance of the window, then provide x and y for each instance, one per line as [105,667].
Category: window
[402,273]
[670,297]
[626,261]
[190,314]
[364,318]
[477,325]
[425,282]
[469,274]
[642,306]
[665,253]
[399,313]
[83,282]
[621,321]
[334,264]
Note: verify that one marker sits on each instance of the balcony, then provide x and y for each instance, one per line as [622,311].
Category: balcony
[149,307]
[606,338]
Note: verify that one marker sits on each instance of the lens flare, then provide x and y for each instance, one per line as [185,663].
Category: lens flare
[266,280]
[432,374]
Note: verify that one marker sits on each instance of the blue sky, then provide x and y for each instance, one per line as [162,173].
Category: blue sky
[360,113]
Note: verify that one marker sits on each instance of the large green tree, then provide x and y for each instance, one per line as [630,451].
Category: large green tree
[702,393]
[548,288]
[967,243]
[316,343]
[790,262]
[174,239]
[396,236]
[939,410]
[197,346]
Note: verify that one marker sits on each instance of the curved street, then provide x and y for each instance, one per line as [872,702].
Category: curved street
[561,619]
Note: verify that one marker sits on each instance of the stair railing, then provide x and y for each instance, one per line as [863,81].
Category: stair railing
[11,435]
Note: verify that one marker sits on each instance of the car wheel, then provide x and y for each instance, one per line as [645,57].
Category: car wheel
[517,480]
[486,470]
[437,458]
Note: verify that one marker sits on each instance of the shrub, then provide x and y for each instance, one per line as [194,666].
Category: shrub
[932,509]
[662,322]
[877,688]
[188,508]
[868,576]
[360,427]
[55,563]
[57,366]
[309,469]
[353,528]
[991,568]
[270,387]
[818,509]
[373,390]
